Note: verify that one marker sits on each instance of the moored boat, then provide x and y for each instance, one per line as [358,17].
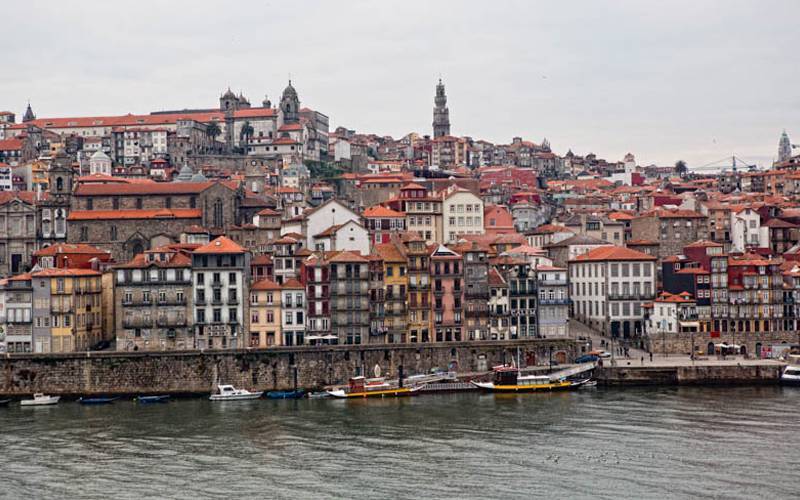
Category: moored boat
[96,401]
[230,393]
[361,387]
[296,394]
[318,395]
[40,399]
[791,375]
[153,399]
[509,379]
[4,402]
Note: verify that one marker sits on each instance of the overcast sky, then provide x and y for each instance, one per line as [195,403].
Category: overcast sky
[671,80]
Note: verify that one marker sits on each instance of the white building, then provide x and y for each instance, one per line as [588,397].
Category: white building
[553,299]
[220,274]
[293,306]
[498,306]
[348,236]
[462,213]
[746,230]
[330,213]
[6,178]
[609,285]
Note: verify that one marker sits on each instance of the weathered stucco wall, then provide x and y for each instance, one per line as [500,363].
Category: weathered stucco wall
[268,369]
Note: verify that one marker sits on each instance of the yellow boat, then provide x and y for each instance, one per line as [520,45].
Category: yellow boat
[508,379]
[361,387]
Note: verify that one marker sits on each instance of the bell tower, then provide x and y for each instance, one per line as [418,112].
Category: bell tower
[290,105]
[441,114]
[55,208]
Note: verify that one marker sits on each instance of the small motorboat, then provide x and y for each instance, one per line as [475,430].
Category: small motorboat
[40,399]
[318,395]
[4,402]
[791,375]
[589,383]
[96,401]
[164,398]
[296,394]
[361,387]
[230,393]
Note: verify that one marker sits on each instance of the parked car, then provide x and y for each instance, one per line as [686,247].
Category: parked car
[600,353]
[587,358]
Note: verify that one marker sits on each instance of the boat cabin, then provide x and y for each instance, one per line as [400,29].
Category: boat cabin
[511,376]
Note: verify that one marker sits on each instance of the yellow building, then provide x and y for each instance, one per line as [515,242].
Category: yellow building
[265,314]
[67,310]
[39,176]
[395,283]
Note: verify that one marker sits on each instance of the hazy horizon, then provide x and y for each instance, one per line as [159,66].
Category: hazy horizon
[697,81]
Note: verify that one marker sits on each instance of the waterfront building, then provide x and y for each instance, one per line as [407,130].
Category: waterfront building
[395,283]
[418,325]
[423,212]
[315,273]
[448,294]
[476,291]
[498,306]
[152,307]
[286,258]
[381,222]
[553,301]
[522,298]
[349,297]
[220,276]
[609,285]
[671,314]
[265,314]
[67,310]
[16,319]
[293,305]
[378,333]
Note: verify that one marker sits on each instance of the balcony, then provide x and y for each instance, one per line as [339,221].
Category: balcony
[553,282]
[554,302]
[172,302]
[137,322]
[630,296]
[168,321]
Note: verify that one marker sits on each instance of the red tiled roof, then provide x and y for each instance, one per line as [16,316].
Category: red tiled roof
[145,188]
[348,256]
[65,272]
[222,244]
[381,211]
[12,144]
[70,248]
[293,284]
[389,252]
[162,213]
[613,253]
[265,284]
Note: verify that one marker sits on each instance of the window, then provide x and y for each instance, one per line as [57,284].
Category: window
[217,315]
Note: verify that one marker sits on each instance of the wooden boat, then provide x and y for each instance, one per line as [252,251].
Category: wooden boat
[153,399]
[230,393]
[508,379]
[96,401]
[361,387]
[40,399]
[296,394]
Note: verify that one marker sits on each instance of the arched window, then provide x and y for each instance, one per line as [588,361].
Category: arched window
[218,212]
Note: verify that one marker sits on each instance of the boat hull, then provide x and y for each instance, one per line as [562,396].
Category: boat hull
[790,382]
[237,397]
[40,402]
[4,402]
[549,387]
[96,401]
[285,394]
[152,399]
[385,393]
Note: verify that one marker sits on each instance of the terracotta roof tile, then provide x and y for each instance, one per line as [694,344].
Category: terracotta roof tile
[613,253]
[163,213]
[220,245]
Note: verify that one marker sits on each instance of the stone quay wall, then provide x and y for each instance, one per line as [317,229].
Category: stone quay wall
[199,372]
[681,343]
[698,374]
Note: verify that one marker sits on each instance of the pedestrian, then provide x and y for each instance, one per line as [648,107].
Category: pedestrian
[651,356]
[642,360]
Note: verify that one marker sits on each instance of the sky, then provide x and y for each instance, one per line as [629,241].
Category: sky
[692,80]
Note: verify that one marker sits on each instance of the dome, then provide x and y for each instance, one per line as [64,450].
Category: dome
[185,175]
[199,177]
[229,94]
[289,91]
[99,155]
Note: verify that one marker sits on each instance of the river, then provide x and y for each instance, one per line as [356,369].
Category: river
[599,443]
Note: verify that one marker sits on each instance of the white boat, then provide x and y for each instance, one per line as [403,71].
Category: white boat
[230,393]
[791,375]
[40,399]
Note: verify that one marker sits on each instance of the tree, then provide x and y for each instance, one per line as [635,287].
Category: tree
[213,130]
[680,168]
[246,133]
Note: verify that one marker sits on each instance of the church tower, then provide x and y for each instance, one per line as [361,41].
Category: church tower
[55,208]
[784,148]
[441,115]
[290,105]
[28,116]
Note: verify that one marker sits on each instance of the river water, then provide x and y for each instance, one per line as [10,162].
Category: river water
[599,443]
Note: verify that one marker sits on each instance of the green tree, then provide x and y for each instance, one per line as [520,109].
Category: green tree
[680,168]
[247,132]
[213,130]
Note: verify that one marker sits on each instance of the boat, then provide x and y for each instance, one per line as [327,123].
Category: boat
[361,387]
[153,399]
[230,393]
[40,399]
[4,402]
[96,401]
[509,379]
[295,394]
[791,375]
[318,395]
[589,383]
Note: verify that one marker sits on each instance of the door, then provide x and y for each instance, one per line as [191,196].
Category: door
[16,263]
[710,348]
